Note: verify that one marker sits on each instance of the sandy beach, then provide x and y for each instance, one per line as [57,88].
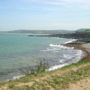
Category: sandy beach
[85,47]
[83,84]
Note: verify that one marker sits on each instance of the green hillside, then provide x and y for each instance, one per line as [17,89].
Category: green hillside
[55,80]
[83,31]
[87,30]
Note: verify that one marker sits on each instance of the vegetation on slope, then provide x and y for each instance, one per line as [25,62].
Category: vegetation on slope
[54,80]
[86,31]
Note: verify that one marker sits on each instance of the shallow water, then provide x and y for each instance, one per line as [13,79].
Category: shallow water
[19,51]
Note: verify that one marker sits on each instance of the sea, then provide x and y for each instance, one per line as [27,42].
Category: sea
[19,52]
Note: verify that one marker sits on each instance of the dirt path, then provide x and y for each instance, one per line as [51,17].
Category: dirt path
[81,85]
[57,72]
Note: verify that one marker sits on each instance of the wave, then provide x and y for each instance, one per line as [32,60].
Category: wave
[70,41]
[18,77]
[67,56]
[56,47]
[57,66]
[79,55]
[60,46]
[51,49]
[72,59]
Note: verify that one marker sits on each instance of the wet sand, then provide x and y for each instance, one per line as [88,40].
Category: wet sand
[85,47]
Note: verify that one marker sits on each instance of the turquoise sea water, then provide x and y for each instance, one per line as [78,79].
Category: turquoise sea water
[19,51]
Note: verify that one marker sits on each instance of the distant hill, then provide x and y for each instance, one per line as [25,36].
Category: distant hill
[42,31]
[83,31]
[81,34]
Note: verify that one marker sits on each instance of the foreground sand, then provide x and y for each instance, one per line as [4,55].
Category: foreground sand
[83,84]
[51,81]
[87,46]
[75,77]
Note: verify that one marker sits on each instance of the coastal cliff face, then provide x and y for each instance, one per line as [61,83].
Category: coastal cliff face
[73,35]
[84,34]
[76,35]
[81,35]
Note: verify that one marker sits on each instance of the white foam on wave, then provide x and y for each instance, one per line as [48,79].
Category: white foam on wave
[70,41]
[70,59]
[14,77]
[60,46]
[79,55]
[67,56]
[18,77]
[57,66]
[56,47]
[51,49]
[61,60]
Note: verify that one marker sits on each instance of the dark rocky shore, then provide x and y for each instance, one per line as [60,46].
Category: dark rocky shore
[81,46]
[83,36]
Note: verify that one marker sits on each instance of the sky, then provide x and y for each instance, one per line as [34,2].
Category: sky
[44,14]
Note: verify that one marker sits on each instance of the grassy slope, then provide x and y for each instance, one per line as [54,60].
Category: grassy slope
[85,31]
[54,80]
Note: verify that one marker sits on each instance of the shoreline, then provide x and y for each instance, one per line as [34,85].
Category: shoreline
[75,44]
[68,45]
[73,69]
[80,46]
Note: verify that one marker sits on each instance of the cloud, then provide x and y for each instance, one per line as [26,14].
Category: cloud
[86,7]
[59,1]
[81,1]
[62,3]
[80,4]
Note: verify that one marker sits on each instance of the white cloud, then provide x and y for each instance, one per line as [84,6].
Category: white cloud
[80,4]
[85,7]
[59,1]
[81,1]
